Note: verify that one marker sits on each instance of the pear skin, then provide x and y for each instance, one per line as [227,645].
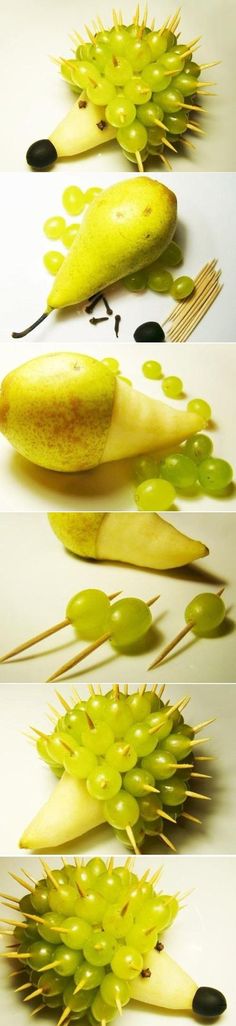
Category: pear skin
[142,539]
[68,412]
[83,128]
[69,812]
[126,227]
[169,986]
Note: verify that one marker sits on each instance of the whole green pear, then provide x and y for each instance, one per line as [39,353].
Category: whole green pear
[126,227]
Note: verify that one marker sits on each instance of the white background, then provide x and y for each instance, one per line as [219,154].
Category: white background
[36,98]
[39,577]
[201,938]
[206,230]
[29,782]
[207,373]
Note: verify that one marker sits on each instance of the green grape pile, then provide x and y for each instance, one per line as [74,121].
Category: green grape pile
[133,752]
[84,935]
[147,82]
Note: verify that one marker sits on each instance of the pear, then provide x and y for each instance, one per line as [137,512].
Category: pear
[69,812]
[84,128]
[68,412]
[126,227]
[168,986]
[143,539]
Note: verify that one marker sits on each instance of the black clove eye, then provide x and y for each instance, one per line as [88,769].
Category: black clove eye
[41,154]
[209,1002]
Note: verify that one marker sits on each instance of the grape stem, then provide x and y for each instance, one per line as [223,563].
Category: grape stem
[182,634]
[21,334]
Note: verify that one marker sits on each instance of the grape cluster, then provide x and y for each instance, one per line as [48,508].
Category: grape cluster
[135,755]
[146,81]
[85,933]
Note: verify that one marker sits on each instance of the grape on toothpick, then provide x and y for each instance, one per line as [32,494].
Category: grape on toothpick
[205,613]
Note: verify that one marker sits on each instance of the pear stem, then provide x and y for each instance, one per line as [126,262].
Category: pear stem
[21,334]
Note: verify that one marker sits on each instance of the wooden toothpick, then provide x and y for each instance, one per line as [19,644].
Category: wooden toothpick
[172,644]
[44,634]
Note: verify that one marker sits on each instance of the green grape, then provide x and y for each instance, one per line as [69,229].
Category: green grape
[173,793]
[78,1002]
[53,260]
[57,749]
[85,52]
[132,156]
[149,113]
[155,78]
[122,756]
[139,736]
[172,256]
[101,54]
[99,738]
[139,836]
[118,716]
[138,53]
[118,921]
[63,900]
[159,280]
[172,387]
[139,705]
[142,938]
[39,900]
[69,235]
[96,867]
[113,990]
[186,83]
[127,963]
[73,200]
[206,611]
[201,407]
[131,619]
[133,138]
[159,764]
[92,975]
[118,39]
[172,62]
[67,68]
[155,495]
[198,447]
[161,723]
[171,100]
[45,929]
[179,470]
[122,811]
[84,73]
[138,92]
[214,475]
[141,893]
[145,467]
[54,227]
[100,948]
[101,92]
[152,369]
[120,112]
[176,123]
[89,613]
[118,71]
[51,984]
[149,807]
[78,932]
[40,954]
[75,720]
[102,1012]
[91,193]
[91,908]
[178,745]
[155,137]
[137,782]
[110,887]
[182,287]
[157,44]
[156,913]
[112,364]
[137,281]
[104,782]
[191,68]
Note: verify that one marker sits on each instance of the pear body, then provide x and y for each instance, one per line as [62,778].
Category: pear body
[83,128]
[126,227]
[56,409]
[143,539]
